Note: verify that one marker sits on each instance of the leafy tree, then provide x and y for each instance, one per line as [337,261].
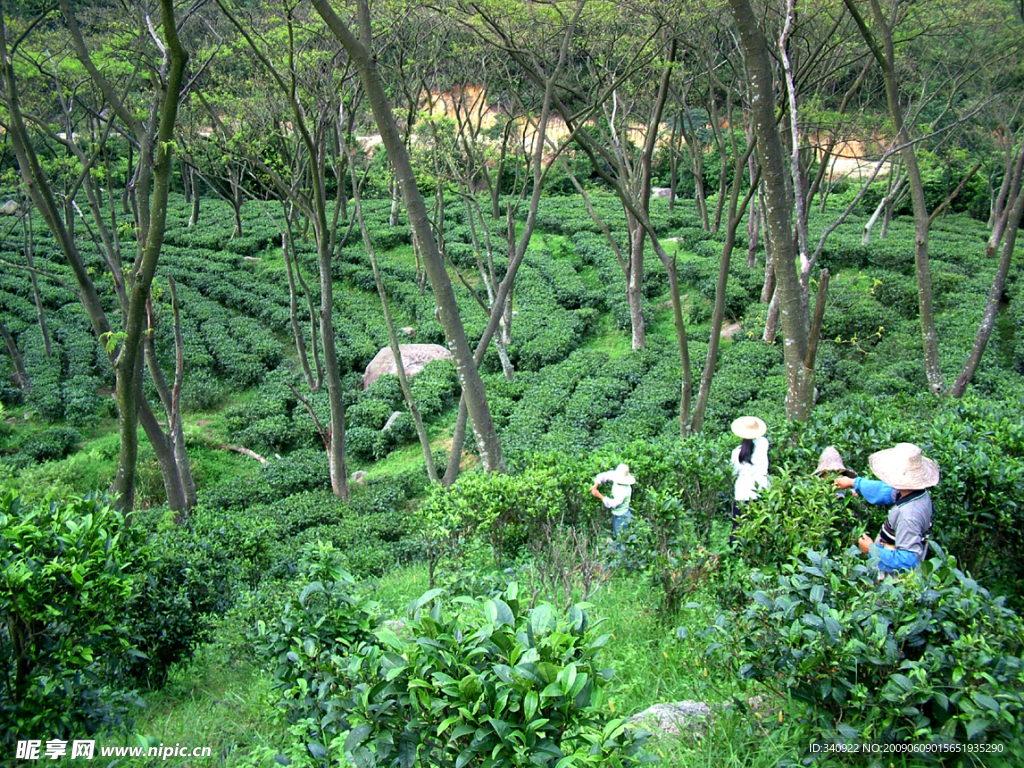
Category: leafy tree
[360,51]
[155,142]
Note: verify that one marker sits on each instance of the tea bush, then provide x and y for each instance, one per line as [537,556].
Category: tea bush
[188,584]
[51,444]
[928,656]
[68,571]
[489,683]
[794,515]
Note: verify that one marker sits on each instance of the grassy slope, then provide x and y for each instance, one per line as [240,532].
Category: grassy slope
[218,700]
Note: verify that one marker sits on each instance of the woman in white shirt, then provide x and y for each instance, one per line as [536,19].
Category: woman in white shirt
[749,461]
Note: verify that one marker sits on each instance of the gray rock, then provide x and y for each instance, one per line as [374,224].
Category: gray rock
[358,477]
[9,208]
[661,191]
[673,718]
[414,357]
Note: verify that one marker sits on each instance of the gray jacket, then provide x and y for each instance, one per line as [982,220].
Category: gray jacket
[910,518]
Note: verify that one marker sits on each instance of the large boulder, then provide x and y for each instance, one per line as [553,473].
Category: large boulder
[414,357]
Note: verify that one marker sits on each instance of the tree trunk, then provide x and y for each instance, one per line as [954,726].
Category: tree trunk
[293,313]
[735,214]
[126,347]
[396,350]
[36,297]
[635,283]
[193,218]
[779,215]
[153,223]
[469,377]
[886,57]
[1009,225]
[21,379]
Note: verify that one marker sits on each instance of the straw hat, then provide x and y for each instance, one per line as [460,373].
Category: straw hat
[622,476]
[904,467]
[832,461]
[749,427]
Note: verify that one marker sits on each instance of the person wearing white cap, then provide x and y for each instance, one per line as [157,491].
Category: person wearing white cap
[622,492]
[749,461]
[904,477]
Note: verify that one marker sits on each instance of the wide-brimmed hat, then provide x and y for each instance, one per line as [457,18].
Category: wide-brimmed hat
[622,476]
[749,427]
[832,461]
[904,467]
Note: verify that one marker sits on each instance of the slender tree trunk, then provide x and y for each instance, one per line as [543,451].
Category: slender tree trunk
[779,215]
[153,217]
[126,356]
[635,283]
[1009,225]
[293,313]
[193,217]
[36,297]
[886,57]
[179,481]
[396,201]
[176,429]
[472,385]
[163,449]
[735,214]
[21,379]
[396,349]
[501,307]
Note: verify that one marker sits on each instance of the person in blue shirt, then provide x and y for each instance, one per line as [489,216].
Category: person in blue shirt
[904,477]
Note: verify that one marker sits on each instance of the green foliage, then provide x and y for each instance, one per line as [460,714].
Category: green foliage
[924,657]
[797,513]
[490,683]
[68,572]
[307,645]
[51,444]
[186,586]
[679,560]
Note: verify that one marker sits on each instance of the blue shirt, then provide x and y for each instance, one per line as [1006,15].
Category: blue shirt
[910,526]
[875,491]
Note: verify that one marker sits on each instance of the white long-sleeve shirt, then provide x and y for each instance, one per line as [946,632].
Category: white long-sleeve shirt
[618,501]
[753,476]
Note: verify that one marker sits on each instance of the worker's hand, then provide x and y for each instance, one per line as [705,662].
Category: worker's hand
[595,493]
[865,541]
[843,482]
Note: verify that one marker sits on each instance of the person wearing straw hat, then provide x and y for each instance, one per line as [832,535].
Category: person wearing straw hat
[904,477]
[622,491]
[830,464]
[749,462]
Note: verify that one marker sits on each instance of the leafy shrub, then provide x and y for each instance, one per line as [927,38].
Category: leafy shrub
[678,562]
[795,514]
[65,581]
[46,395]
[188,584]
[202,391]
[925,657]
[490,684]
[307,645]
[52,444]
[359,443]
[435,389]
